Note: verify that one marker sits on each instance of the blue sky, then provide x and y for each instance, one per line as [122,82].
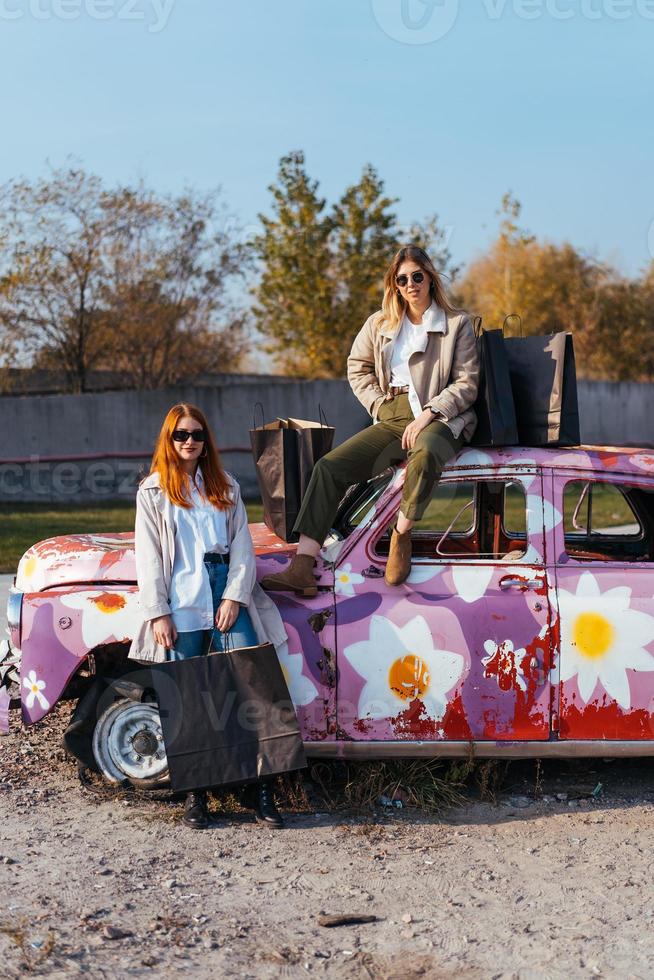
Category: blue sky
[454,104]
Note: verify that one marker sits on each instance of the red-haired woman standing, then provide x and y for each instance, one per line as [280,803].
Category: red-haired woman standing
[195,566]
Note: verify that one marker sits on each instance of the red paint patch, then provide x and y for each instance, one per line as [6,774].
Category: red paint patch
[455,723]
[606,720]
[416,723]
[506,667]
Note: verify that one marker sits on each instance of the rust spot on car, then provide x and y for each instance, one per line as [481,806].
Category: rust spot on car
[326,664]
[318,620]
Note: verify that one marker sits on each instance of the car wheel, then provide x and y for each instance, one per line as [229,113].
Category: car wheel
[128,744]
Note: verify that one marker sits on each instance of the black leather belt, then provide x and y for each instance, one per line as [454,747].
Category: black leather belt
[214,558]
[404,390]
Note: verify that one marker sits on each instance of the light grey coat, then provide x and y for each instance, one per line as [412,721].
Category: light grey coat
[445,373]
[155,554]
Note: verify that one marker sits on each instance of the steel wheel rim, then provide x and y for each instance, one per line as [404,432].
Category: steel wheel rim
[113,739]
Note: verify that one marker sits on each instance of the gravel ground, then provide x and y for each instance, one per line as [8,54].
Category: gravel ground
[548,881]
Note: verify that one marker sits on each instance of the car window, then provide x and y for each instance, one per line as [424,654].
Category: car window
[470,519]
[358,502]
[515,513]
[607,521]
[451,504]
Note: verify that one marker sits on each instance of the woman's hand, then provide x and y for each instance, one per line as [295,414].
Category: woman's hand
[414,428]
[226,614]
[164,631]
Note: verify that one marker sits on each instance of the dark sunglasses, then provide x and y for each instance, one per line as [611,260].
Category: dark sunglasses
[182,435]
[417,277]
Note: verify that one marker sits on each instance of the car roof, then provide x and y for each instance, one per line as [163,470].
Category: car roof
[611,459]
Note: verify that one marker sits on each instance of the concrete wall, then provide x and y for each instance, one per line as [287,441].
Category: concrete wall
[616,413]
[127,422]
[33,428]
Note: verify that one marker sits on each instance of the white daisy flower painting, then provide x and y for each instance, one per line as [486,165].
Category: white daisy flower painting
[602,639]
[105,615]
[401,665]
[345,580]
[35,688]
[301,688]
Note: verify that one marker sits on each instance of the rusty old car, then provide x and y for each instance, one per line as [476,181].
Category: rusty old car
[526,627]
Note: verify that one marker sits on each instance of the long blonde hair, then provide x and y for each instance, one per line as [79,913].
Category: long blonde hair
[393,306]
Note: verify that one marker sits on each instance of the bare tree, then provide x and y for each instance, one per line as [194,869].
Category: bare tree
[118,279]
[52,270]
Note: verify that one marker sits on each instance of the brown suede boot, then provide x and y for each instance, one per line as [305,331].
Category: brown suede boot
[398,565]
[298,577]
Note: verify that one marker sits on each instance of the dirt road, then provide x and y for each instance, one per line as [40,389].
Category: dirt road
[547,887]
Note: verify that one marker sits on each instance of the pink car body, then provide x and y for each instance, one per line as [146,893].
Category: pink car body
[526,626]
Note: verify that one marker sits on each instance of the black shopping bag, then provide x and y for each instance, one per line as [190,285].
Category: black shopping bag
[285,452]
[496,420]
[544,385]
[227,718]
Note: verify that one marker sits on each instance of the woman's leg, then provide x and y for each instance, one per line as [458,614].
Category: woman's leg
[190,644]
[242,633]
[433,448]
[193,643]
[359,458]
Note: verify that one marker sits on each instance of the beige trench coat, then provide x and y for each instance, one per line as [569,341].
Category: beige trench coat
[445,373]
[155,554]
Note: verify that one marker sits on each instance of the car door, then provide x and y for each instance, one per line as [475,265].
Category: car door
[603,542]
[463,649]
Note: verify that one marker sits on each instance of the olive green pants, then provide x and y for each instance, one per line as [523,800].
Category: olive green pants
[370,452]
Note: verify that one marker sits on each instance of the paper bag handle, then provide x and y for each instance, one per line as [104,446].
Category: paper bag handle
[254,416]
[513,316]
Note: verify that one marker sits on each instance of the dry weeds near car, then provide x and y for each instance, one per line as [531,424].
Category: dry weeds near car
[526,887]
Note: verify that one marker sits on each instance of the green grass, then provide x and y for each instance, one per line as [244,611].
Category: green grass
[23,525]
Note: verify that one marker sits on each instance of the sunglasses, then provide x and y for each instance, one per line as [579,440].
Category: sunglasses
[183,435]
[417,277]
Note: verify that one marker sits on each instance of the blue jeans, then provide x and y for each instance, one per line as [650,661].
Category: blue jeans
[196,643]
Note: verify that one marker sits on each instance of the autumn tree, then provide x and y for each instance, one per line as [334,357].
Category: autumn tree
[116,278]
[52,271]
[167,303]
[623,339]
[551,287]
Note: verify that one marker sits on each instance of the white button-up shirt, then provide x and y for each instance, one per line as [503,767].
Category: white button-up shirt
[412,337]
[199,529]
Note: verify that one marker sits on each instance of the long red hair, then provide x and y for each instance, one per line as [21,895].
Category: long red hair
[173,480]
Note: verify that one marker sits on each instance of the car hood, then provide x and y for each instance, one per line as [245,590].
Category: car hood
[83,558]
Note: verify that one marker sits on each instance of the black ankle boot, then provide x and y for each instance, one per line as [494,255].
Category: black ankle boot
[195,811]
[265,810]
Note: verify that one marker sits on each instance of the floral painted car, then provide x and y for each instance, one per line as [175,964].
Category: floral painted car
[526,626]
